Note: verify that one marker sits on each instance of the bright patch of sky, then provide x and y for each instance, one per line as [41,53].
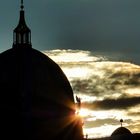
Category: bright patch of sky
[72,56]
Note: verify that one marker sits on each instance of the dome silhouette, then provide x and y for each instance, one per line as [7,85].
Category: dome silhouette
[121,131]
[28,69]
[33,87]
[36,100]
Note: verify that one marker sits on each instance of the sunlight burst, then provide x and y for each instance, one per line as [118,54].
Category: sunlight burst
[84,112]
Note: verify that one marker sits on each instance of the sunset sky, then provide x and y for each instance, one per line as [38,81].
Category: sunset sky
[97,44]
[109,90]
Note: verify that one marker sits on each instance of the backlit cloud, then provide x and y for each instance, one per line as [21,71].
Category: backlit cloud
[108,90]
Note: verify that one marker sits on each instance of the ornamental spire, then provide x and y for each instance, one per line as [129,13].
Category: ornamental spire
[22,34]
[22,6]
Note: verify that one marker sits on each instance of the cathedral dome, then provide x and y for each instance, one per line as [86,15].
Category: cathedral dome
[36,94]
[36,97]
[121,131]
[28,70]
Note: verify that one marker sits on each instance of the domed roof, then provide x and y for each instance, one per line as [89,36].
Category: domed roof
[121,131]
[36,99]
[28,70]
[33,87]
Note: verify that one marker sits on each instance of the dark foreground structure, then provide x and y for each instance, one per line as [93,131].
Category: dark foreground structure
[36,100]
[121,133]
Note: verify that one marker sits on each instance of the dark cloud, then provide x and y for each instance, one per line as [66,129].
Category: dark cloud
[83,86]
[108,26]
[127,77]
[133,113]
[98,86]
[134,80]
[120,103]
[110,82]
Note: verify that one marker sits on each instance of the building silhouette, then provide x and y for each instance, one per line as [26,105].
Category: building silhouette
[121,130]
[36,100]
[121,133]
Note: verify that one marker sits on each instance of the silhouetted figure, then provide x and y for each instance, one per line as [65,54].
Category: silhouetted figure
[37,100]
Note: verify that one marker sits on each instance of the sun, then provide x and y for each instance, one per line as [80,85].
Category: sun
[83,112]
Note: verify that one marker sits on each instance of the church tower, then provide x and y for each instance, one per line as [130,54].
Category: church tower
[22,34]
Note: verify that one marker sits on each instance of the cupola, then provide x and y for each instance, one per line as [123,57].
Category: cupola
[22,34]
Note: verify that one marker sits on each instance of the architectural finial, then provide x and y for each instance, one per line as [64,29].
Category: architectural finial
[22,34]
[121,121]
[22,6]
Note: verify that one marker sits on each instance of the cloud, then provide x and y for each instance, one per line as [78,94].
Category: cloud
[134,127]
[109,80]
[101,122]
[73,56]
[107,104]
[133,113]
[109,90]
[96,76]
[116,83]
